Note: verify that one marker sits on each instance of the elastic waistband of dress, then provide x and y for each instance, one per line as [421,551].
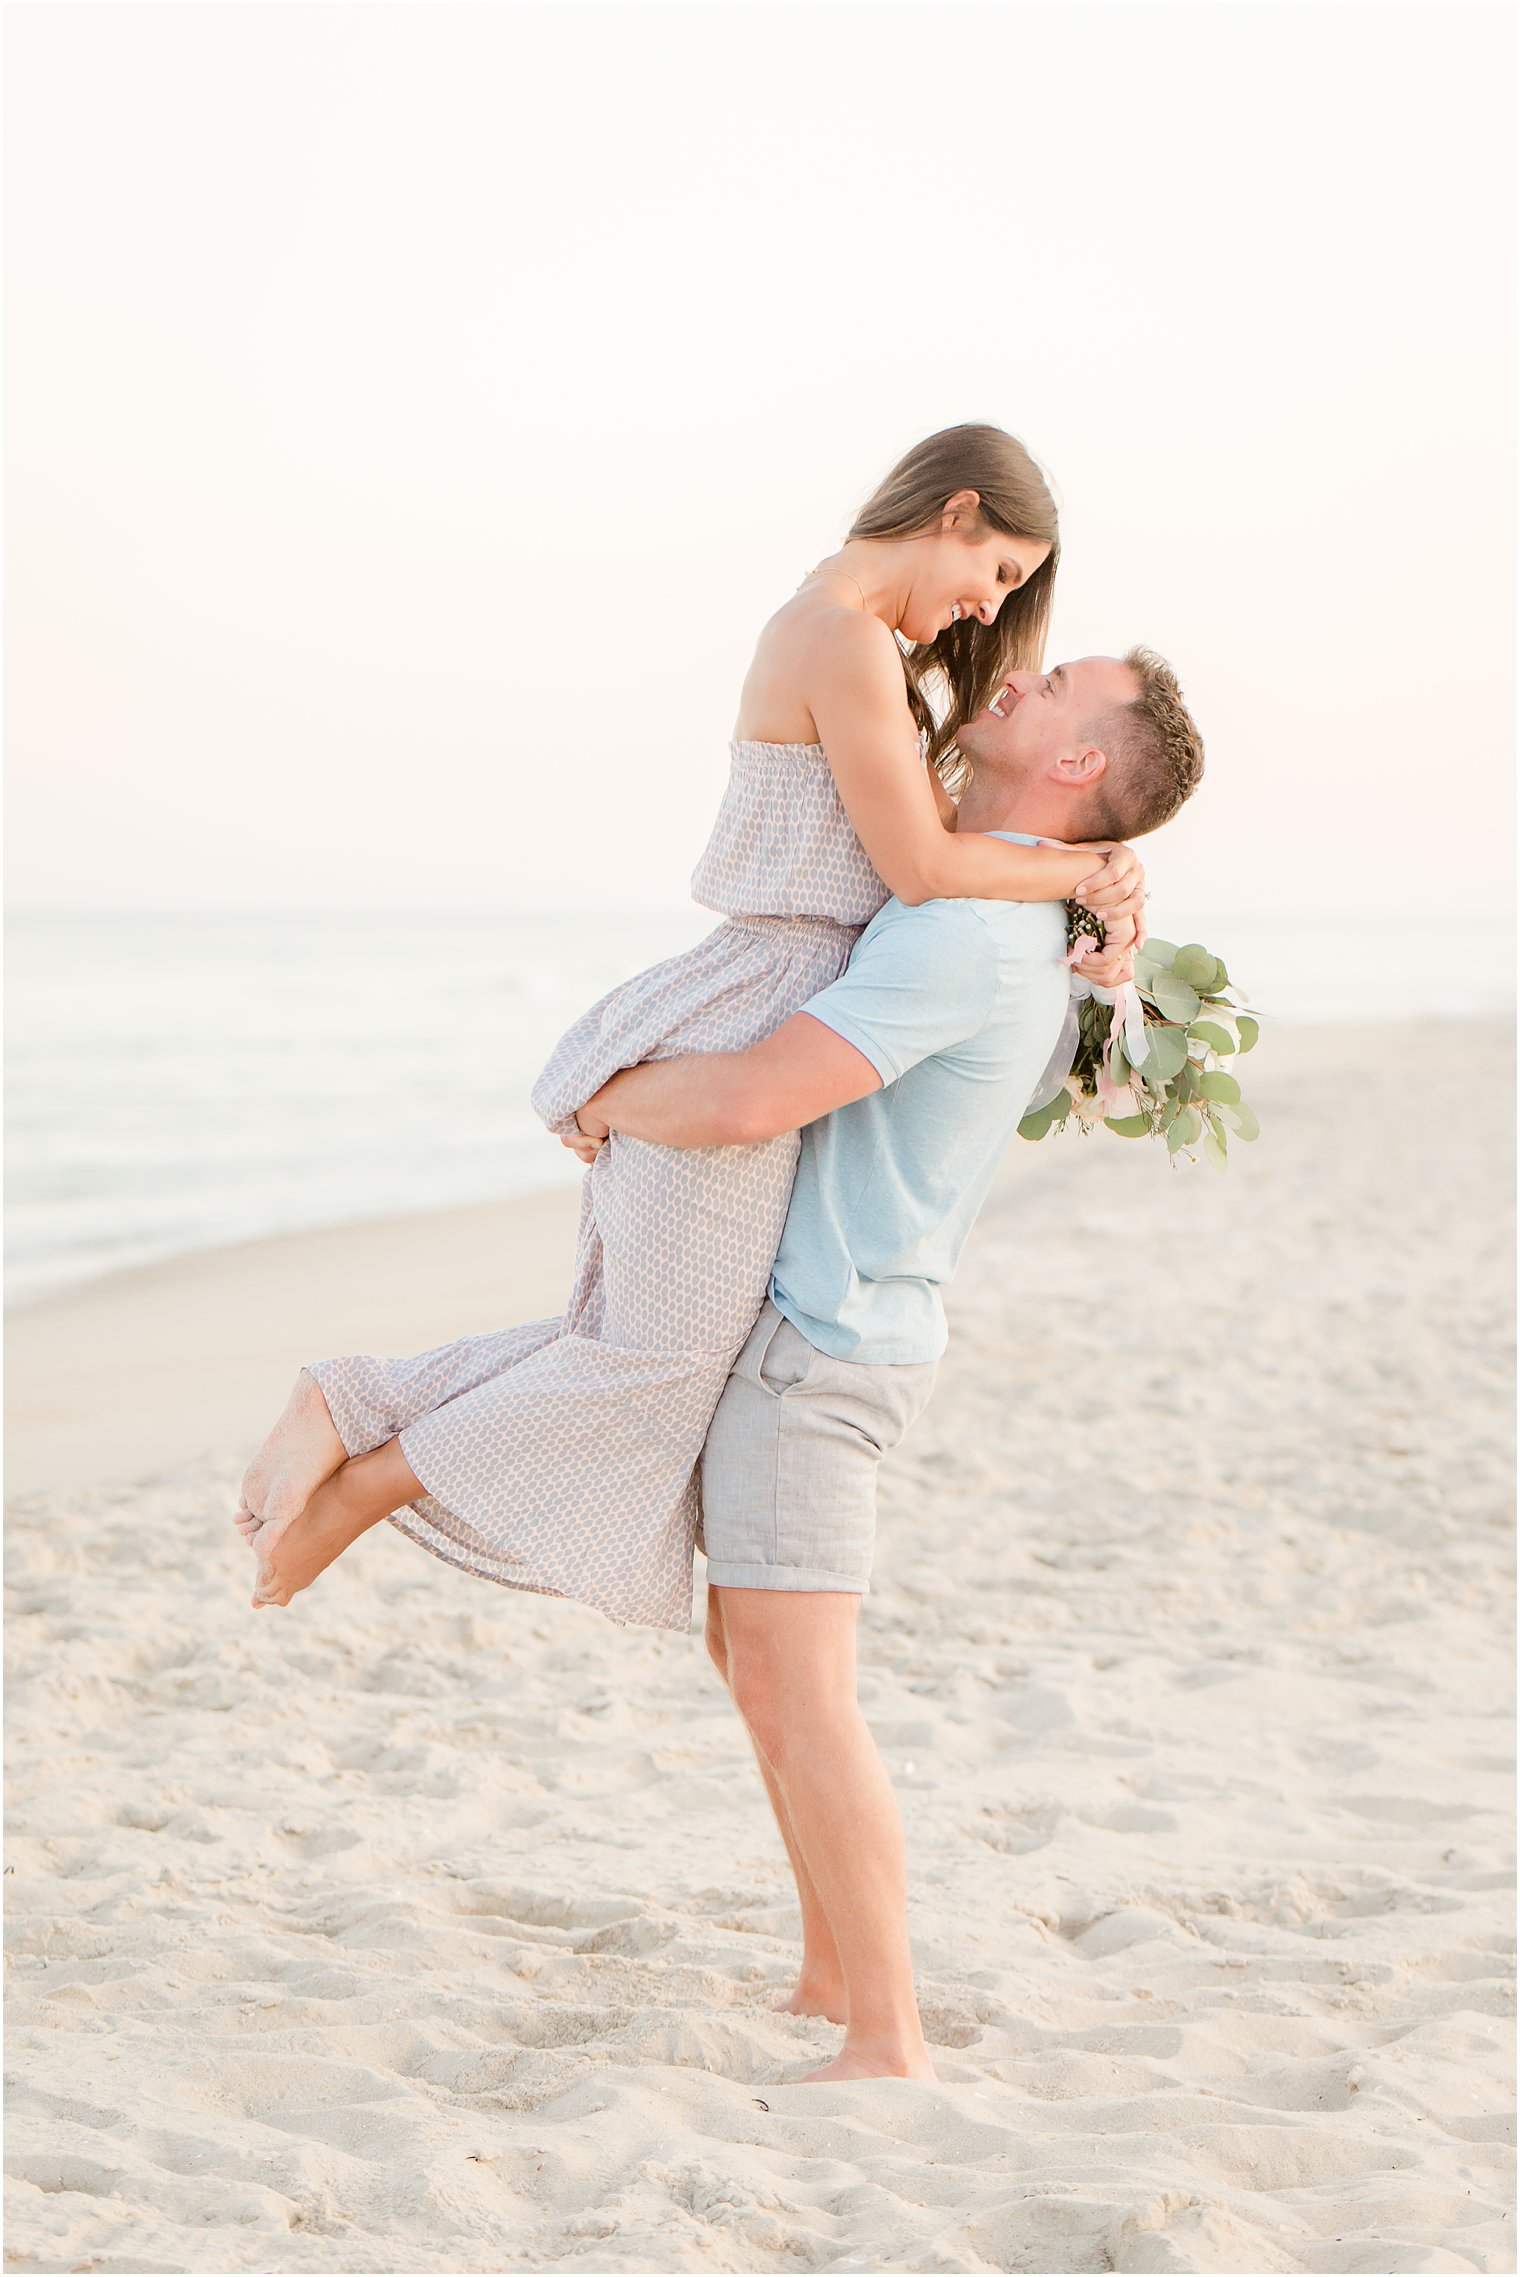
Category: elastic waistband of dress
[824,928]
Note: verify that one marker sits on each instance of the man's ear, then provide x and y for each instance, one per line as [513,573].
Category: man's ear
[1080,768]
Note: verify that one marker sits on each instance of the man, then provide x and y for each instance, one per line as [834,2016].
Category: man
[907,1078]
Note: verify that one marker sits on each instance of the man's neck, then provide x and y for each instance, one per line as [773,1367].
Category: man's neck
[989,804]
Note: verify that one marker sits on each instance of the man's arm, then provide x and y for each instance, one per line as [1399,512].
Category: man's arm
[734,1098]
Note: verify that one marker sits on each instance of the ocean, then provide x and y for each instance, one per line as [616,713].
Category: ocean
[176,1082]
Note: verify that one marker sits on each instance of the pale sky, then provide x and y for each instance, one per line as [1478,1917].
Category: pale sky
[416,410]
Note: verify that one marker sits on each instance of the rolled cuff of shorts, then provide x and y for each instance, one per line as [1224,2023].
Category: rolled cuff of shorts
[784,1577]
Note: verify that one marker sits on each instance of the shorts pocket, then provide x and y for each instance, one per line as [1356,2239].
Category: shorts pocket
[785,1359]
[879,1404]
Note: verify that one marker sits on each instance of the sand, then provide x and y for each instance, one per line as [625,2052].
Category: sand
[151,1368]
[425,1926]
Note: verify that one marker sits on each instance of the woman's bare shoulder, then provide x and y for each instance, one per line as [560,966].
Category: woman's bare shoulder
[814,642]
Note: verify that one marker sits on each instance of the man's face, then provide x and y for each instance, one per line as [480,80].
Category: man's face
[1039,723]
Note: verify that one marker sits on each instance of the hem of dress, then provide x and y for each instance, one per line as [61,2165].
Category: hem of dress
[342,1416]
[418,1528]
[421,1527]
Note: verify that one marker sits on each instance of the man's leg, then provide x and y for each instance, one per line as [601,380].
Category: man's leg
[791,1669]
[819,1990]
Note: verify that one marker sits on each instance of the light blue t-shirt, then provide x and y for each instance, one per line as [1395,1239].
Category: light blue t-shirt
[957,1005]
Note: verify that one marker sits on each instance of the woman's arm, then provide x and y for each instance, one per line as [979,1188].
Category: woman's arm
[853,682]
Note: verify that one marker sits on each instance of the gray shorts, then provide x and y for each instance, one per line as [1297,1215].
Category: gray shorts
[789,1469]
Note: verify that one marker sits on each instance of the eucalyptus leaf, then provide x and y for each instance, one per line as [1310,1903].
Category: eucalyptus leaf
[1165,1052]
[1215,1084]
[1249,1030]
[1159,952]
[1176,1137]
[1242,1120]
[1129,1126]
[1210,1033]
[1036,1125]
[1175,999]
[1060,1107]
[1213,1151]
[1194,965]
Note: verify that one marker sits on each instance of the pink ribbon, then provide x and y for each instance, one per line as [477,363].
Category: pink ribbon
[1128,1020]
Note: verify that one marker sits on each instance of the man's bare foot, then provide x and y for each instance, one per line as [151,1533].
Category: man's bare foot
[815,1996]
[862,2063]
[300,1452]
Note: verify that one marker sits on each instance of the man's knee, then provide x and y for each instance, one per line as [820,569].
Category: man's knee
[761,1703]
[783,1708]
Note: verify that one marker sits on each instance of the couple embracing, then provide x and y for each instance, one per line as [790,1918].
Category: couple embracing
[789,1130]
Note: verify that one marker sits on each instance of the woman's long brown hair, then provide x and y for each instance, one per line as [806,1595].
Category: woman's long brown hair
[967,661]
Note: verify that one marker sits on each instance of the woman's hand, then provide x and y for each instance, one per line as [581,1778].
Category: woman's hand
[1113,964]
[1118,889]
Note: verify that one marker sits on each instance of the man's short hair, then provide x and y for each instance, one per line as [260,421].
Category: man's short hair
[1154,752]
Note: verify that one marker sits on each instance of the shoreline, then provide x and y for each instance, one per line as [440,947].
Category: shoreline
[160,1364]
[121,1377]
[20,1300]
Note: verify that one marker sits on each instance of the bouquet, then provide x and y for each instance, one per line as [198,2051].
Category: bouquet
[1146,1060]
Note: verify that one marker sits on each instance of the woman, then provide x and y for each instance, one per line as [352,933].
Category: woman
[560,1457]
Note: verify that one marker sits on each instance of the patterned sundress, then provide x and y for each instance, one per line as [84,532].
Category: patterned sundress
[561,1456]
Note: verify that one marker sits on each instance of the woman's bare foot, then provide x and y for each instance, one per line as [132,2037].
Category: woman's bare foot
[863,2063]
[345,1506]
[301,1550]
[815,1996]
[300,1452]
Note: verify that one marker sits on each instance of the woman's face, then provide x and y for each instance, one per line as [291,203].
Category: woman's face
[969,571]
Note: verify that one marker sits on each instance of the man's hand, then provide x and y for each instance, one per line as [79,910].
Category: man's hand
[593,1136]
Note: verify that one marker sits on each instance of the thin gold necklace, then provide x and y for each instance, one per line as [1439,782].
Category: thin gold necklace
[855,581]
